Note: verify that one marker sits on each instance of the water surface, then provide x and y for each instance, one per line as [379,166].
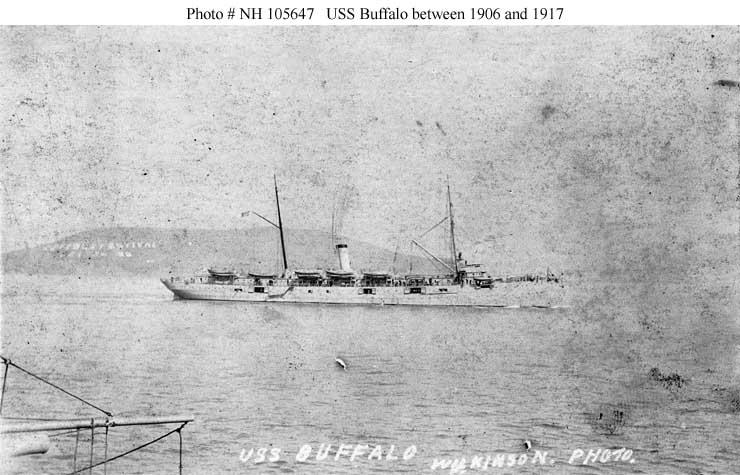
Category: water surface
[451,382]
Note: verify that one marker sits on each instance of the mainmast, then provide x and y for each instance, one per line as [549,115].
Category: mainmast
[452,230]
[280,227]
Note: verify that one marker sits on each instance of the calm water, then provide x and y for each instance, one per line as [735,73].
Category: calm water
[451,382]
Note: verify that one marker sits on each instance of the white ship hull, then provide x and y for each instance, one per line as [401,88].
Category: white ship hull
[516,294]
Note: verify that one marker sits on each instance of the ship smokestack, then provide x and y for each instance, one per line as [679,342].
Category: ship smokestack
[343,253]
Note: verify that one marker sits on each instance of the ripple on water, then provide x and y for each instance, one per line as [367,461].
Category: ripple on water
[264,375]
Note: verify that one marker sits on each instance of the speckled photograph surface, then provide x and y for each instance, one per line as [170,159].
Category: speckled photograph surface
[607,156]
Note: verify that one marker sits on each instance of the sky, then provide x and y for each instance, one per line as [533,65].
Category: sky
[603,146]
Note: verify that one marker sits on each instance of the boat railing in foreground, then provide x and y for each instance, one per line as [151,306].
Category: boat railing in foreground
[32,444]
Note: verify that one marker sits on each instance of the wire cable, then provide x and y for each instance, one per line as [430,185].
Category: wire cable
[129,451]
[8,362]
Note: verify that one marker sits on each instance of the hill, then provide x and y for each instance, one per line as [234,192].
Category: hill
[151,251]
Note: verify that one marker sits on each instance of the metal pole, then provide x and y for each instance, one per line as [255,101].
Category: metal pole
[130,451]
[179,433]
[84,424]
[452,231]
[105,456]
[280,224]
[77,443]
[5,380]
[92,443]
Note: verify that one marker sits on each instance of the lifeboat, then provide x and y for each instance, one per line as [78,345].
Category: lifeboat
[376,275]
[340,274]
[308,274]
[222,273]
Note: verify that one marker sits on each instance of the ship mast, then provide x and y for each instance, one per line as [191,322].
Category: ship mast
[280,227]
[452,230]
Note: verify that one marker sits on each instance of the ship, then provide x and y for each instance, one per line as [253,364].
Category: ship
[459,284]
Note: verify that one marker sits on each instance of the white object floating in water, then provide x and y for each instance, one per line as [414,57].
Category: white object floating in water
[16,445]
[341,363]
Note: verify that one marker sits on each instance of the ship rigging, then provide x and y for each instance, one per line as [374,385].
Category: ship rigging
[462,284]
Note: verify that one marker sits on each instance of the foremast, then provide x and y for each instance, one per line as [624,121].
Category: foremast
[280,227]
